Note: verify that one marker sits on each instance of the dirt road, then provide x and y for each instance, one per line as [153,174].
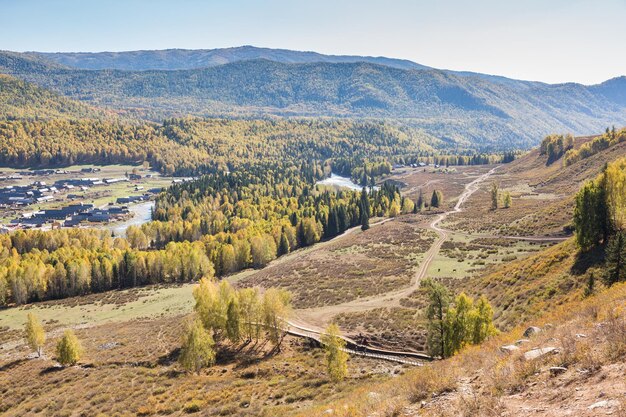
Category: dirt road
[317,318]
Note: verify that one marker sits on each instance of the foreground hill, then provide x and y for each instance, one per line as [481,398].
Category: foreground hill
[579,371]
[470,110]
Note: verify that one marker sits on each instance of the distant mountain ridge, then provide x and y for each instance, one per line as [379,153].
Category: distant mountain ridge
[180,59]
[470,110]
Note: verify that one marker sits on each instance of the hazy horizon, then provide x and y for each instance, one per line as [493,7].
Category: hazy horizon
[563,41]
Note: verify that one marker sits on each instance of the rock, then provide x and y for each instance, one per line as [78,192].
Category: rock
[557,370]
[531,331]
[108,345]
[521,342]
[540,352]
[509,348]
[373,395]
[604,404]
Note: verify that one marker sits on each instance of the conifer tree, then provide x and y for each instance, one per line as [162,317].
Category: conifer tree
[420,201]
[590,287]
[616,259]
[283,247]
[438,302]
[233,322]
[494,195]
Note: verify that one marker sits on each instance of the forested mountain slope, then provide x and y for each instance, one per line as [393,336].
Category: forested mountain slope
[194,146]
[23,100]
[471,110]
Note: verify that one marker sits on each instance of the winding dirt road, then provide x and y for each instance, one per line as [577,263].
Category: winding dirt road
[315,319]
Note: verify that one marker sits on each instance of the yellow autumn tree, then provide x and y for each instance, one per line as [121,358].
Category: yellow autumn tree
[35,335]
[69,349]
[197,348]
[336,357]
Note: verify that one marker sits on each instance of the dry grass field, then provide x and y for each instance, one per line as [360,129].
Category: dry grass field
[395,328]
[357,265]
[542,195]
[129,369]
[450,181]
[590,341]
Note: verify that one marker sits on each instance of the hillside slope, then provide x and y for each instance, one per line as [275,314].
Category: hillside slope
[543,194]
[470,110]
[23,100]
[582,373]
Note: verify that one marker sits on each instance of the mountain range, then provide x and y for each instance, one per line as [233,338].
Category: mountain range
[468,109]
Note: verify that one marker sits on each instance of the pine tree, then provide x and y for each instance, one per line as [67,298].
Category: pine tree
[616,259]
[233,322]
[197,348]
[333,222]
[420,201]
[69,349]
[35,335]
[590,287]
[494,195]
[365,201]
[587,214]
[365,220]
[283,247]
[436,199]
[336,357]
[439,301]
[365,210]
[343,218]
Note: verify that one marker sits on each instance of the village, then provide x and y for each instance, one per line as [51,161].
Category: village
[54,198]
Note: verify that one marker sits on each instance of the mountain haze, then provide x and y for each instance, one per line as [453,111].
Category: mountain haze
[175,59]
[471,110]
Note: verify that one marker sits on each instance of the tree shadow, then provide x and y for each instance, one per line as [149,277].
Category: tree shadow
[12,364]
[51,369]
[169,358]
[589,259]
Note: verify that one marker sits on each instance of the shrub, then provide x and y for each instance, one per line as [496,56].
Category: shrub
[69,349]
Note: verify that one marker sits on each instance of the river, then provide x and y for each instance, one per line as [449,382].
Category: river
[142,214]
[339,181]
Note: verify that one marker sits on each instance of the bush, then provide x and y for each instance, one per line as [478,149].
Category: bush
[192,406]
[69,349]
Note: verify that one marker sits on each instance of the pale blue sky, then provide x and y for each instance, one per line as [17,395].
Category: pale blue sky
[546,40]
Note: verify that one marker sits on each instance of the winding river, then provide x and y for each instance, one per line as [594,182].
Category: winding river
[142,213]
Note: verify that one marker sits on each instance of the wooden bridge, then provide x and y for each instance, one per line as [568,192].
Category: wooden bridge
[354,348]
